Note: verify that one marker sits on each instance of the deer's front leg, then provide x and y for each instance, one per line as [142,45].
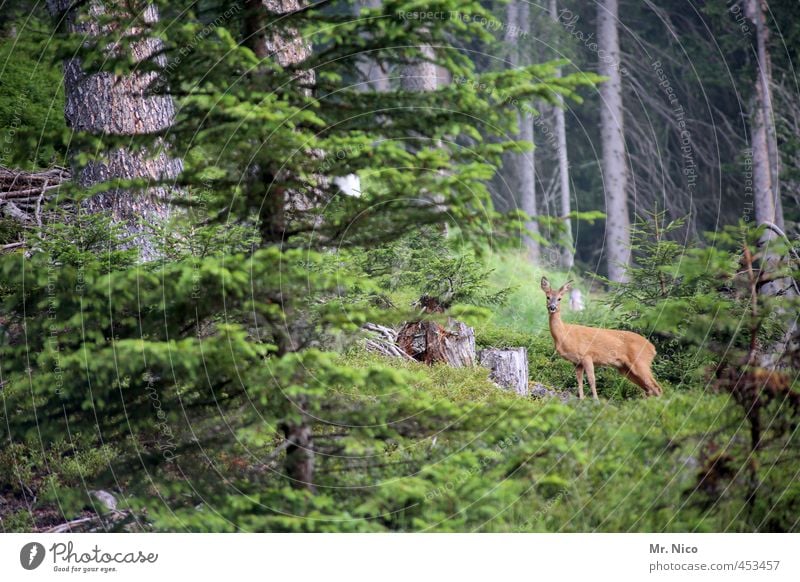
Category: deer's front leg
[589,366]
[579,374]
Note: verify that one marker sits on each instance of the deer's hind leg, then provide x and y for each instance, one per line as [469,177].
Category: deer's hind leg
[589,367]
[643,378]
[653,388]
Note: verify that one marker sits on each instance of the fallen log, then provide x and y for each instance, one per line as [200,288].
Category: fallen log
[383,340]
[22,194]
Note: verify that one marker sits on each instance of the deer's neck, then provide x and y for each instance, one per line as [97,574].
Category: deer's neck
[558,328]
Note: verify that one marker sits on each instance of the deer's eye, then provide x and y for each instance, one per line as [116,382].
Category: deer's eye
[559,298]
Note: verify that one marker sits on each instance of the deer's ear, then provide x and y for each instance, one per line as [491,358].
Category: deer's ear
[545,284]
[566,287]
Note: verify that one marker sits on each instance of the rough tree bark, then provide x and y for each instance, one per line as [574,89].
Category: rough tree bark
[289,48]
[767,201]
[509,368]
[421,75]
[521,166]
[615,170]
[567,252]
[104,103]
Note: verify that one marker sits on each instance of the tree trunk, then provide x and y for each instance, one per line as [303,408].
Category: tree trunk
[289,49]
[764,147]
[371,78]
[104,103]
[429,342]
[615,170]
[527,187]
[762,128]
[767,201]
[299,463]
[509,368]
[369,69]
[567,252]
[755,11]
[521,166]
[421,75]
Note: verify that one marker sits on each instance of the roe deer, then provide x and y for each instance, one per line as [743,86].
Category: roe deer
[628,352]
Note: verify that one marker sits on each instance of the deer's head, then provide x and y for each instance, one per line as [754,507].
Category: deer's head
[554,297]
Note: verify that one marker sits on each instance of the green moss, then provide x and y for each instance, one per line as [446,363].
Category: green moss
[31,101]
[17,522]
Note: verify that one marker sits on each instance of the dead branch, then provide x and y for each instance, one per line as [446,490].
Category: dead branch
[22,193]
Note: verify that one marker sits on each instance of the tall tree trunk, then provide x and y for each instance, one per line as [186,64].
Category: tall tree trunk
[764,139]
[288,48]
[526,176]
[105,103]
[299,463]
[767,201]
[371,77]
[762,132]
[371,70]
[567,252]
[521,166]
[421,75]
[615,170]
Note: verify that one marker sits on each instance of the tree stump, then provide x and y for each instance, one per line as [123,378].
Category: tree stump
[429,342]
[509,368]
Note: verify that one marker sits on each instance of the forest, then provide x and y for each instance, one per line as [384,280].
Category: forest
[399,266]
